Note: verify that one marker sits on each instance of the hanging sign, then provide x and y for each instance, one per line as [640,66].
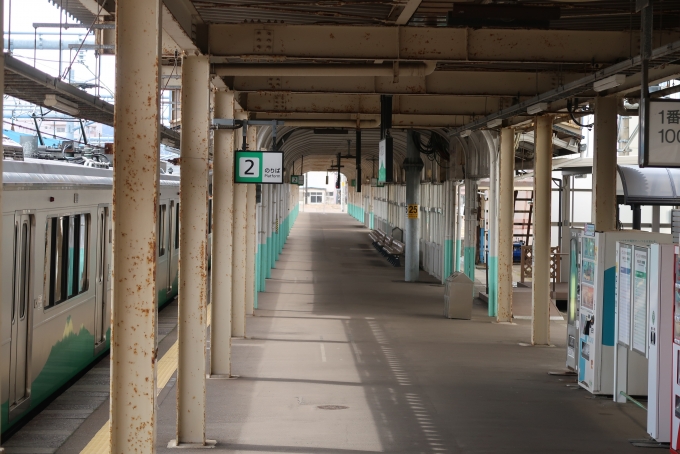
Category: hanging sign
[258,167]
[663,134]
[297,179]
[412,211]
[385,158]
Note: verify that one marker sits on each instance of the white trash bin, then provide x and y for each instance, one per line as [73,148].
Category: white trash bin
[458,296]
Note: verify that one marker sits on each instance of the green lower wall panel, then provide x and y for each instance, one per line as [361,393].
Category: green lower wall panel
[493,286]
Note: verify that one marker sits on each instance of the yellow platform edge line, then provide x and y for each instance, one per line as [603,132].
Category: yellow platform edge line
[99,444]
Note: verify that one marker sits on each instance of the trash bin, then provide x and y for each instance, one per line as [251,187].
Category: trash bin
[458,296]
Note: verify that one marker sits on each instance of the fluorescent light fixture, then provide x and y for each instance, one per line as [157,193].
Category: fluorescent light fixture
[494,123]
[61,104]
[537,108]
[609,82]
[465,133]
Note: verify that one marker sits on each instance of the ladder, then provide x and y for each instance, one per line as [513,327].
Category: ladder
[523,222]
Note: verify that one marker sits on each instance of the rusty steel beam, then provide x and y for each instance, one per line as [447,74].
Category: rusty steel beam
[277,42]
[460,83]
[135,199]
[506,215]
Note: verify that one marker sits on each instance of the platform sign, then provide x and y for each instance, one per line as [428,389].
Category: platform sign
[385,158]
[258,167]
[297,179]
[412,211]
[664,134]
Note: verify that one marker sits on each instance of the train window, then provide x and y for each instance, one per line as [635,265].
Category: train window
[161,230]
[67,256]
[177,227]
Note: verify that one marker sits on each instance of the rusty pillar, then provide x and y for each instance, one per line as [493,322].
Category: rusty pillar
[223,220]
[540,297]
[193,243]
[238,280]
[506,215]
[604,164]
[135,199]
[251,231]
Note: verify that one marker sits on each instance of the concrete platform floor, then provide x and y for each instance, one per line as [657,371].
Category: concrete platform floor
[344,357]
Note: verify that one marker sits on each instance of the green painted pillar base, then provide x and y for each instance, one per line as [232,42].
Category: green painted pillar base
[493,286]
[448,258]
[470,263]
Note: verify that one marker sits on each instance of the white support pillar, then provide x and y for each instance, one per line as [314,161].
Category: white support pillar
[251,231]
[135,196]
[492,263]
[604,164]
[506,215]
[656,218]
[566,225]
[193,243]
[223,225]
[540,297]
[457,247]
[238,314]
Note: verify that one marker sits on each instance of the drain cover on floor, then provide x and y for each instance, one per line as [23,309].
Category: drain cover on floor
[332,407]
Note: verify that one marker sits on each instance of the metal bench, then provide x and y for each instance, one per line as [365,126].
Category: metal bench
[376,236]
[394,252]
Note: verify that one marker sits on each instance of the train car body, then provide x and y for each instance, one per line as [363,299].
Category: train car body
[56,274]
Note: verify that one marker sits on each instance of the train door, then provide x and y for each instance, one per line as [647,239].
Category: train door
[20,350]
[102,281]
[170,249]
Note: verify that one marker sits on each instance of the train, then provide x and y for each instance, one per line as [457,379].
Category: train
[56,274]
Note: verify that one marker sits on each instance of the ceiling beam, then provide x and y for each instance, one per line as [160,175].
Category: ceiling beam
[472,83]
[182,23]
[405,121]
[370,104]
[275,42]
[408,12]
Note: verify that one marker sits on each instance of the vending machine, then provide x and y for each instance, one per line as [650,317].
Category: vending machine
[597,313]
[675,398]
[573,300]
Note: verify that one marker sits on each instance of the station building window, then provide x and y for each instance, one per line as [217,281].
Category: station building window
[67,257]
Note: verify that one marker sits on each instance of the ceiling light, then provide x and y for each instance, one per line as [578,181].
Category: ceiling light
[495,123]
[609,82]
[61,104]
[537,108]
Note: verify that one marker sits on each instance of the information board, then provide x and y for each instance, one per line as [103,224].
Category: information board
[588,273]
[297,179]
[258,167]
[412,211]
[664,134]
[639,313]
[624,292]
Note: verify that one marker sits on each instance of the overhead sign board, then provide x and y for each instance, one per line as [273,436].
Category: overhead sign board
[385,158]
[297,179]
[258,167]
[664,134]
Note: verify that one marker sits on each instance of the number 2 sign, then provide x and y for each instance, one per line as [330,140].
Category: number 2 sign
[258,167]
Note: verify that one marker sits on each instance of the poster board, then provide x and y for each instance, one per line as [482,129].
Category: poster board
[588,273]
[639,306]
[624,293]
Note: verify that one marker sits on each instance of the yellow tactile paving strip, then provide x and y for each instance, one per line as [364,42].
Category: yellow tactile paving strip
[166,367]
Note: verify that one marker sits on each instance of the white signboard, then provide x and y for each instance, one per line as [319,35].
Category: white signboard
[639,313]
[624,296]
[258,167]
[664,133]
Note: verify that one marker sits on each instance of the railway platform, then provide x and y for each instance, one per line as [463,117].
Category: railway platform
[342,356]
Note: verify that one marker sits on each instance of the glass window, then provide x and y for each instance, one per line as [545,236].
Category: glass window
[161,230]
[67,257]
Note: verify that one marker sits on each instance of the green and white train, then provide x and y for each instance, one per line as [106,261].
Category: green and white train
[56,274]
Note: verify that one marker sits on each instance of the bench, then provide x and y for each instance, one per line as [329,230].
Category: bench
[394,252]
[389,247]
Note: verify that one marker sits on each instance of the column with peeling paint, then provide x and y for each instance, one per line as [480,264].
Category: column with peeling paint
[251,231]
[540,295]
[413,166]
[492,263]
[238,314]
[193,243]
[135,195]
[506,215]
[604,164]
[223,225]
[457,229]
